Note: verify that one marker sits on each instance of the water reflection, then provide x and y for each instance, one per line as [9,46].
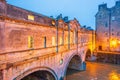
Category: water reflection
[114,76]
[96,71]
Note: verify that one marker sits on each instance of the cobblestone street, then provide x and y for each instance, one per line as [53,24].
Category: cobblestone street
[96,71]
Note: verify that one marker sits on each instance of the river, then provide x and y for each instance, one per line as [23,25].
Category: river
[96,71]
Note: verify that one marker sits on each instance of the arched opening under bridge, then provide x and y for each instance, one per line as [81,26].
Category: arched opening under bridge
[88,55]
[39,75]
[73,66]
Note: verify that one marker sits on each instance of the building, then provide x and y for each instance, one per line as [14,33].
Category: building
[108,28]
[32,44]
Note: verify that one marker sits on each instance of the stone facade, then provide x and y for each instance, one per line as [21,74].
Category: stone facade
[31,42]
[108,28]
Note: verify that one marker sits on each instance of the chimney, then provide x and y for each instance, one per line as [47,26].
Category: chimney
[117,3]
[102,7]
[4,1]
[3,7]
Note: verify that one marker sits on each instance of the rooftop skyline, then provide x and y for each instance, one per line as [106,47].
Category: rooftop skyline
[83,10]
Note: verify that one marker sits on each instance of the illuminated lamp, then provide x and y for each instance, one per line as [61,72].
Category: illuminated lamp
[31,17]
[53,22]
[113,43]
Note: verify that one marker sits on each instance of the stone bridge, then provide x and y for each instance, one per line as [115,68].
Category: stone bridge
[36,47]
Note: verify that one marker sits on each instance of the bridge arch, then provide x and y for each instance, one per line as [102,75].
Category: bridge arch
[39,70]
[74,62]
[88,54]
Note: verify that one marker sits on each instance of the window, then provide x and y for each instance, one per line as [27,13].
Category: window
[99,16]
[75,37]
[53,41]
[61,41]
[30,42]
[44,42]
[106,25]
[112,33]
[100,47]
[31,17]
[118,33]
[106,34]
[63,37]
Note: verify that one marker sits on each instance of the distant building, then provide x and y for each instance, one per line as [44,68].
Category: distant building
[108,27]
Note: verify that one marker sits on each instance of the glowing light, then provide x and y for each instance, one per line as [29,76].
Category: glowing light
[30,42]
[113,43]
[61,61]
[114,76]
[53,22]
[31,17]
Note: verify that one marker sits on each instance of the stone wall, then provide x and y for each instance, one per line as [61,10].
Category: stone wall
[30,43]
[1,75]
[2,8]
[108,27]
[19,13]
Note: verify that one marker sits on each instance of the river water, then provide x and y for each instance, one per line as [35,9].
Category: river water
[96,71]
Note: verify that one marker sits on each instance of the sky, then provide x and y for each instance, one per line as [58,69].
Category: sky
[83,10]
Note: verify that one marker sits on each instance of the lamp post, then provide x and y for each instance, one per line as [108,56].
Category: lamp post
[109,31]
[56,25]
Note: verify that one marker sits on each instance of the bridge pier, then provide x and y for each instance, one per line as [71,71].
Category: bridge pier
[75,63]
[1,75]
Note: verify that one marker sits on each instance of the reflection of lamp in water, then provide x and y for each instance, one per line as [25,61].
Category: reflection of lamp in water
[114,76]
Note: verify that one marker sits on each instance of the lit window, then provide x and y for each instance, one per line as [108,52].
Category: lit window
[61,41]
[30,42]
[30,17]
[53,41]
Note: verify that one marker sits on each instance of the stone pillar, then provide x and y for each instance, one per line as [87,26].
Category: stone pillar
[83,66]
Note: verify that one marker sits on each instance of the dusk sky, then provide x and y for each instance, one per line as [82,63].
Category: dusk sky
[83,10]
